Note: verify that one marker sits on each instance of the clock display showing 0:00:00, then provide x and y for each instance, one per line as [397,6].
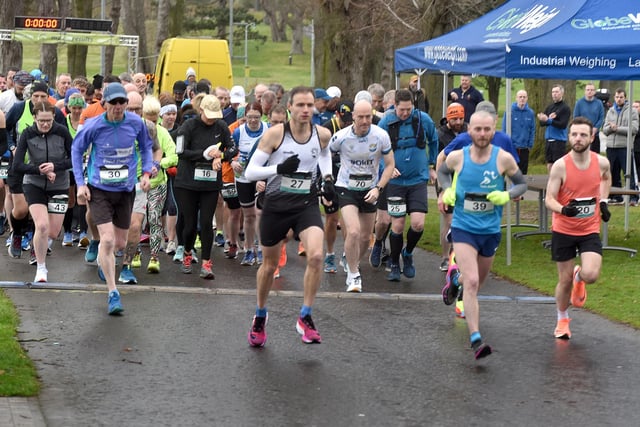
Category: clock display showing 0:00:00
[42,23]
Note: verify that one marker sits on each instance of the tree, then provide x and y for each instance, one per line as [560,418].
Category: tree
[77,54]
[134,23]
[10,51]
[276,16]
[109,54]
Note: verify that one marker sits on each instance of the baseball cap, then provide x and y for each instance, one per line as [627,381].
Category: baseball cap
[22,78]
[334,92]
[114,91]
[237,95]
[179,86]
[414,79]
[210,106]
[320,93]
[455,111]
[487,106]
[345,109]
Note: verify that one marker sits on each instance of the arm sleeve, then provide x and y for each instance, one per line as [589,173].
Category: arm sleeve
[324,162]
[256,171]
[444,176]
[519,185]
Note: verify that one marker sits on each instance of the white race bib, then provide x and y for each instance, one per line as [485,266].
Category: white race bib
[297,182]
[229,190]
[114,174]
[204,172]
[360,182]
[477,203]
[58,204]
[4,170]
[586,207]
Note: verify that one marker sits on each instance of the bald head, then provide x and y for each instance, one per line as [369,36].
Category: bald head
[362,116]
[135,103]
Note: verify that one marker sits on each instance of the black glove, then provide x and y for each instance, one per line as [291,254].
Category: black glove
[604,211]
[290,165]
[571,209]
[328,189]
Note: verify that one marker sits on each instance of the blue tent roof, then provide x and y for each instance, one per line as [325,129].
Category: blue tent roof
[480,46]
[601,42]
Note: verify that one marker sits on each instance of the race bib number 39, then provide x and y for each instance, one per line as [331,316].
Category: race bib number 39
[477,203]
[299,182]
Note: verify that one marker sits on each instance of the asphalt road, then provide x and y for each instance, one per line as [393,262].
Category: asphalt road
[394,355]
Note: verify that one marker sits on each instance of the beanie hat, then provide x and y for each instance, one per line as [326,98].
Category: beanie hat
[455,111]
[191,72]
[39,87]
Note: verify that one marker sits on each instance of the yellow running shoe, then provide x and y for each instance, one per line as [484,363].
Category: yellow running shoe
[136,262]
[154,265]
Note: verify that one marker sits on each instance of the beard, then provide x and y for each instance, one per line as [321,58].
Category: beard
[580,149]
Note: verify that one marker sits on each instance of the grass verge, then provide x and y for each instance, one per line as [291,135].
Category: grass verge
[17,373]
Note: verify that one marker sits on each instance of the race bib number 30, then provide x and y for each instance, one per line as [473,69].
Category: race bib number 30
[477,203]
[113,175]
[299,182]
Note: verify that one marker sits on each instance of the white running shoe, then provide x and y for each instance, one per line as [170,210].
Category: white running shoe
[354,284]
[41,275]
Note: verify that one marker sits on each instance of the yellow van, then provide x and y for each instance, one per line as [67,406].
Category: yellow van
[208,57]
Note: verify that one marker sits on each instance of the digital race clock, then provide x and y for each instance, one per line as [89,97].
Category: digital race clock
[38,23]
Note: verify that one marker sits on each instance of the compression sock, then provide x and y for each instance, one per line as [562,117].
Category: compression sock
[395,244]
[413,237]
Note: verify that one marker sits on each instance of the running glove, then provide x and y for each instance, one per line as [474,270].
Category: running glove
[328,189]
[449,196]
[605,214]
[571,209]
[498,198]
[290,165]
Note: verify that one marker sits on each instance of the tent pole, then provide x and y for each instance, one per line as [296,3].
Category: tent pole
[507,111]
[629,168]
[445,92]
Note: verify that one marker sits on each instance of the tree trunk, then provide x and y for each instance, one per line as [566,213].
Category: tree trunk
[493,87]
[162,32]
[297,36]
[77,54]
[134,20]
[176,17]
[10,51]
[109,54]
[275,12]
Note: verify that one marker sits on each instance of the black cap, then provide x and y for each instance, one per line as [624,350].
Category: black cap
[97,81]
[179,86]
[345,109]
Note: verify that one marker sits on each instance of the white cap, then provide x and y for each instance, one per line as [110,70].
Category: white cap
[191,72]
[334,91]
[237,95]
[363,95]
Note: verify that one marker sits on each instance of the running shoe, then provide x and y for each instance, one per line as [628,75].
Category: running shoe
[219,240]
[232,251]
[330,264]
[67,239]
[115,306]
[32,257]
[119,253]
[26,241]
[259,257]
[460,309]
[92,251]
[407,264]
[480,349]
[579,289]
[49,246]
[127,276]
[154,265]
[205,270]
[354,284]
[194,257]
[83,240]
[101,274]
[301,250]
[186,264]
[283,256]
[375,257]
[144,238]
[249,258]
[276,273]
[41,275]
[171,248]
[307,330]
[177,258]
[394,273]
[451,285]
[15,248]
[444,265]
[136,262]
[198,242]
[344,264]
[257,334]
[241,236]
[562,329]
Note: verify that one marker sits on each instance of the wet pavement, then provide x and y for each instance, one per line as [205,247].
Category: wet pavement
[394,355]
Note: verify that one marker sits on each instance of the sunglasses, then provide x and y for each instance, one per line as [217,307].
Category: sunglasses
[118,101]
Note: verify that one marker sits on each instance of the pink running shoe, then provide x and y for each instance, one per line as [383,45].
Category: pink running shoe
[257,334]
[307,329]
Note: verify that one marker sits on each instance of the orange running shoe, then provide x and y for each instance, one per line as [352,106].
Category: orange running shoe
[276,273]
[283,256]
[562,329]
[301,250]
[579,290]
